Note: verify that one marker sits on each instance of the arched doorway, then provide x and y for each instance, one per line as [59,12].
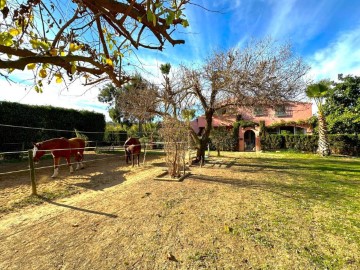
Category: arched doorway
[249,139]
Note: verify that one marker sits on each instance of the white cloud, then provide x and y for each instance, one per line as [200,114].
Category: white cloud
[76,97]
[341,56]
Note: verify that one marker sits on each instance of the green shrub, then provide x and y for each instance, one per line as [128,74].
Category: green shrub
[42,118]
[345,144]
[272,142]
[342,144]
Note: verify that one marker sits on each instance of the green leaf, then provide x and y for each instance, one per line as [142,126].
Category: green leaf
[149,15]
[170,17]
[6,39]
[38,89]
[185,23]
[44,45]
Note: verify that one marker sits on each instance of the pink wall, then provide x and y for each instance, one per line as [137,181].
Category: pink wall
[298,111]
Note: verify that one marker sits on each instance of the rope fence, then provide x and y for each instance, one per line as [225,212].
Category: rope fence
[31,167]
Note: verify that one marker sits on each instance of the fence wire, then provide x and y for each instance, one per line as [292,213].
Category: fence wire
[84,161]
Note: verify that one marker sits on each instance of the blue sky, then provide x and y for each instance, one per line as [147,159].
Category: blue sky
[326,33]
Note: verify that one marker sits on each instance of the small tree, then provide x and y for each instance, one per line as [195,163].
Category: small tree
[318,92]
[174,133]
[221,138]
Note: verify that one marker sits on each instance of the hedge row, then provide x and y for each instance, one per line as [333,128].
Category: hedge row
[343,144]
[46,117]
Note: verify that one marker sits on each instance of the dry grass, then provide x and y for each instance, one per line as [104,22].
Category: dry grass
[241,211]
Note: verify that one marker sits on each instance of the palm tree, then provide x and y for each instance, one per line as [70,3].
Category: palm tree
[318,92]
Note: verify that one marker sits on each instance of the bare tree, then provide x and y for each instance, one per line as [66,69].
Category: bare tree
[264,73]
[84,38]
[138,99]
[173,133]
[147,99]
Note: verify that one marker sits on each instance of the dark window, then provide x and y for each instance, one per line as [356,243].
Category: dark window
[282,111]
[259,111]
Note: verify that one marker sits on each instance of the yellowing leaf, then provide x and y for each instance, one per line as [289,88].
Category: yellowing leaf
[109,62]
[53,52]
[42,73]
[14,32]
[58,78]
[44,45]
[6,39]
[73,69]
[31,66]
[74,47]
[2,4]
[34,43]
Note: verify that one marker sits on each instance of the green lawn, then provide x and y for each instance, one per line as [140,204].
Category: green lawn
[307,204]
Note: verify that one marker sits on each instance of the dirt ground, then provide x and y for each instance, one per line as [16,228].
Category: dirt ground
[121,218]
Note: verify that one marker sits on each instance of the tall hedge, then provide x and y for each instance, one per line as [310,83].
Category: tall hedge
[343,144]
[46,117]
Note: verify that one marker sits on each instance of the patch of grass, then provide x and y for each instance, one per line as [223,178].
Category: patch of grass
[43,197]
[304,205]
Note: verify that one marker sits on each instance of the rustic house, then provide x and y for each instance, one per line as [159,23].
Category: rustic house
[289,118]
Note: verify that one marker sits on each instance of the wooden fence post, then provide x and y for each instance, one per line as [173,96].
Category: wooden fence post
[32,173]
[145,145]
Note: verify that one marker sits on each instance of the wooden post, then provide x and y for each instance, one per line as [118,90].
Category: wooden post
[32,173]
[145,145]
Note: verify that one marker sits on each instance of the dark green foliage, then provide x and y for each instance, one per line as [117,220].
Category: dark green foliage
[342,144]
[345,144]
[272,142]
[342,106]
[221,139]
[307,143]
[46,117]
[262,128]
[236,127]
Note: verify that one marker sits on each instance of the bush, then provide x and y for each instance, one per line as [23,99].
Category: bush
[307,143]
[343,144]
[272,142]
[43,118]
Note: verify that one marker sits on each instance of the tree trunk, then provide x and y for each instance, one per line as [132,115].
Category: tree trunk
[324,147]
[204,140]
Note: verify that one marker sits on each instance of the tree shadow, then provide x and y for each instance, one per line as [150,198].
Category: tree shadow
[103,180]
[313,165]
[292,191]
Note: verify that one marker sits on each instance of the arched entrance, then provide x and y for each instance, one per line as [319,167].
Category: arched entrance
[249,140]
